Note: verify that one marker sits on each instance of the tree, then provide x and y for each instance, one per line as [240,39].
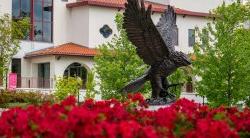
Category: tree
[117,63]
[222,56]
[11,32]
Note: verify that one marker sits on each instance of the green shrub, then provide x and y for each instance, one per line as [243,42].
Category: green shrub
[90,84]
[66,86]
[7,97]
[13,105]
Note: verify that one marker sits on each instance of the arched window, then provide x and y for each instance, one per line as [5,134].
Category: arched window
[77,70]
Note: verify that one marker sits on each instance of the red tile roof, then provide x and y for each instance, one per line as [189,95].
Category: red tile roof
[69,49]
[119,4]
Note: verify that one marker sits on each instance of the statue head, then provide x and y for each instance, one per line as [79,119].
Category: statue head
[181,59]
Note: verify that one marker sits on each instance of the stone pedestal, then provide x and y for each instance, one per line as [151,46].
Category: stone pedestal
[160,101]
[157,107]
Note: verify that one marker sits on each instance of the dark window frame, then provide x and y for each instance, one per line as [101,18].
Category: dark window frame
[177,37]
[33,21]
[43,78]
[191,42]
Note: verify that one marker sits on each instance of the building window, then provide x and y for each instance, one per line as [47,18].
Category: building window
[21,8]
[44,75]
[191,37]
[40,13]
[189,85]
[106,31]
[176,40]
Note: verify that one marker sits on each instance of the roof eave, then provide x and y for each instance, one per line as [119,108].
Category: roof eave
[56,54]
[94,3]
[103,4]
[121,6]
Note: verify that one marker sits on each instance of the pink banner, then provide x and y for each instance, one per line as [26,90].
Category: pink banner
[12,81]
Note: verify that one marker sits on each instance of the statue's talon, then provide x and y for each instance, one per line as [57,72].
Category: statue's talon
[165,94]
[171,95]
[159,101]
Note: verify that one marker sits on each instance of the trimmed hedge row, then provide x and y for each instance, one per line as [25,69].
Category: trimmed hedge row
[8,97]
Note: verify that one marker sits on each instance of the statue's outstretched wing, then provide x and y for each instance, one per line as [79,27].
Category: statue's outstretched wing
[143,33]
[168,28]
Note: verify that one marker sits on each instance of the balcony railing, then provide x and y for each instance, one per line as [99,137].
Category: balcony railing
[36,82]
[39,83]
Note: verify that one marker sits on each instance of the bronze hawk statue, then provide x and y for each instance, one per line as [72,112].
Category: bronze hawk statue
[155,45]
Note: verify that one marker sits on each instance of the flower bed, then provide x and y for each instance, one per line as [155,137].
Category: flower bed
[124,120]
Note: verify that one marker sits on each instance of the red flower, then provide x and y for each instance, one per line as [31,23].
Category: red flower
[111,119]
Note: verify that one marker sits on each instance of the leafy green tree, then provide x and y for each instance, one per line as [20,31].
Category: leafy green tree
[11,32]
[66,86]
[117,63]
[222,56]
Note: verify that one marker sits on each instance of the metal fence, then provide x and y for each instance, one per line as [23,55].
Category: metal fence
[34,82]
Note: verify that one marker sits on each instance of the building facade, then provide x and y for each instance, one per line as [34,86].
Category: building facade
[65,33]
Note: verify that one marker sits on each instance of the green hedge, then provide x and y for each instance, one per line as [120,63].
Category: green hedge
[7,97]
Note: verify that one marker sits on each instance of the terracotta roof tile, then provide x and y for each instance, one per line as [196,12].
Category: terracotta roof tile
[69,49]
[120,5]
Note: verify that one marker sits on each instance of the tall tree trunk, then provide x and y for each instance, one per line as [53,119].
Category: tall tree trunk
[229,84]
[1,67]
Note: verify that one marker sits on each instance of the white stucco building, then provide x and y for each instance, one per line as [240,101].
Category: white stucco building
[65,33]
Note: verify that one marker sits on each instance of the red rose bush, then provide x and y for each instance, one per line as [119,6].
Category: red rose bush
[130,119]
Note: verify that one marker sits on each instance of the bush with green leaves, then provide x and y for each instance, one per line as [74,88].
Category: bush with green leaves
[66,86]
[222,56]
[19,97]
[90,86]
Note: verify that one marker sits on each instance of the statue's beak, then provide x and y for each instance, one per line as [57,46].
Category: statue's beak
[188,61]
